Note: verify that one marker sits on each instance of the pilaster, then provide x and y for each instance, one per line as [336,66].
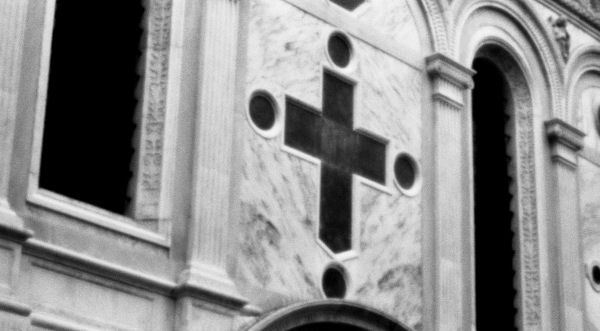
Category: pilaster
[451,82]
[13,13]
[12,30]
[210,50]
[565,141]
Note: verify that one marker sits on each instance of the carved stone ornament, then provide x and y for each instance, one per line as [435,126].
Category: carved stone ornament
[561,35]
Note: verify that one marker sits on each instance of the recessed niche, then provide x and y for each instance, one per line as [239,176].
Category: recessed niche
[263,113]
[593,274]
[407,174]
[339,49]
[334,282]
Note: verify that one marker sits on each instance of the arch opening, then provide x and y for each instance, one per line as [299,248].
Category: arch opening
[493,175]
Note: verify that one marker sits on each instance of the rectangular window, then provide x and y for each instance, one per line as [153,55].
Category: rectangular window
[89,123]
[100,129]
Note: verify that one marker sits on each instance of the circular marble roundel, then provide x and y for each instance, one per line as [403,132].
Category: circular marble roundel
[339,49]
[593,274]
[405,170]
[262,111]
[334,282]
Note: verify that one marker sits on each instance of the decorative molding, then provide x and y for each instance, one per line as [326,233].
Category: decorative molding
[529,246]
[98,267]
[565,141]
[437,24]
[584,59]
[52,322]
[14,233]
[522,16]
[450,80]
[131,277]
[10,305]
[151,126]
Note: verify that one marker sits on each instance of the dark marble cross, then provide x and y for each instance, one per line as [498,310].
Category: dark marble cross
[330,136]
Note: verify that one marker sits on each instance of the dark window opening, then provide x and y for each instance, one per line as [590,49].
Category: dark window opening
[89,123]
[494,290]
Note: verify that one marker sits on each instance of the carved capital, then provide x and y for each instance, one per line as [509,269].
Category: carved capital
[450,80]
[565,140]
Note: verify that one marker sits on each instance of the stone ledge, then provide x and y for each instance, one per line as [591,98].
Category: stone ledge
[10,305]
[11,232]
[565,141]
[115,272]
[439,64]
[98,267]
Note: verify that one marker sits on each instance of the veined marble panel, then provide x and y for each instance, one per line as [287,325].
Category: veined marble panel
[588,109]
[393,18]
[279,258]
[589,182]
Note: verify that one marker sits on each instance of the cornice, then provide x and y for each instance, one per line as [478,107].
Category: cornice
[439,64]
[565,141]
[561,132]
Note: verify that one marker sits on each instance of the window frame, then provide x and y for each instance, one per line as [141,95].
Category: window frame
[149,219]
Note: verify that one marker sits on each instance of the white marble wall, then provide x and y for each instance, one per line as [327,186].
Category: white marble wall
[589,175]
[279,259]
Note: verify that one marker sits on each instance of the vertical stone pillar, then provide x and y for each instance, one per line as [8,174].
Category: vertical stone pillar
[12,31]
[13,15]
[451,81]
[565,141]
[206,294]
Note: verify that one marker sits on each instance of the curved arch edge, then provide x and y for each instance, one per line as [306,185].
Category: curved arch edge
[332,310]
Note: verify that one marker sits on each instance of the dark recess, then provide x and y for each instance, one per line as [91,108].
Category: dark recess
[89,124]
[494,253]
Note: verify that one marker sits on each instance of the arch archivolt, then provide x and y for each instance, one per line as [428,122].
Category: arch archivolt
[496,31]
[584,62]
[437,24]
[518,23]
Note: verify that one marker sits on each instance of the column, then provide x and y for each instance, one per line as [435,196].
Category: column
[565,140]
[450,81]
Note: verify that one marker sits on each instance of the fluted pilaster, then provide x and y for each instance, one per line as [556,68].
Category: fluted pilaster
[211,198]
[565,141]
[450,82]
[12,29]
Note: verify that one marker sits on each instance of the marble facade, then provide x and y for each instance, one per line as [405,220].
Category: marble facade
[225,221]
